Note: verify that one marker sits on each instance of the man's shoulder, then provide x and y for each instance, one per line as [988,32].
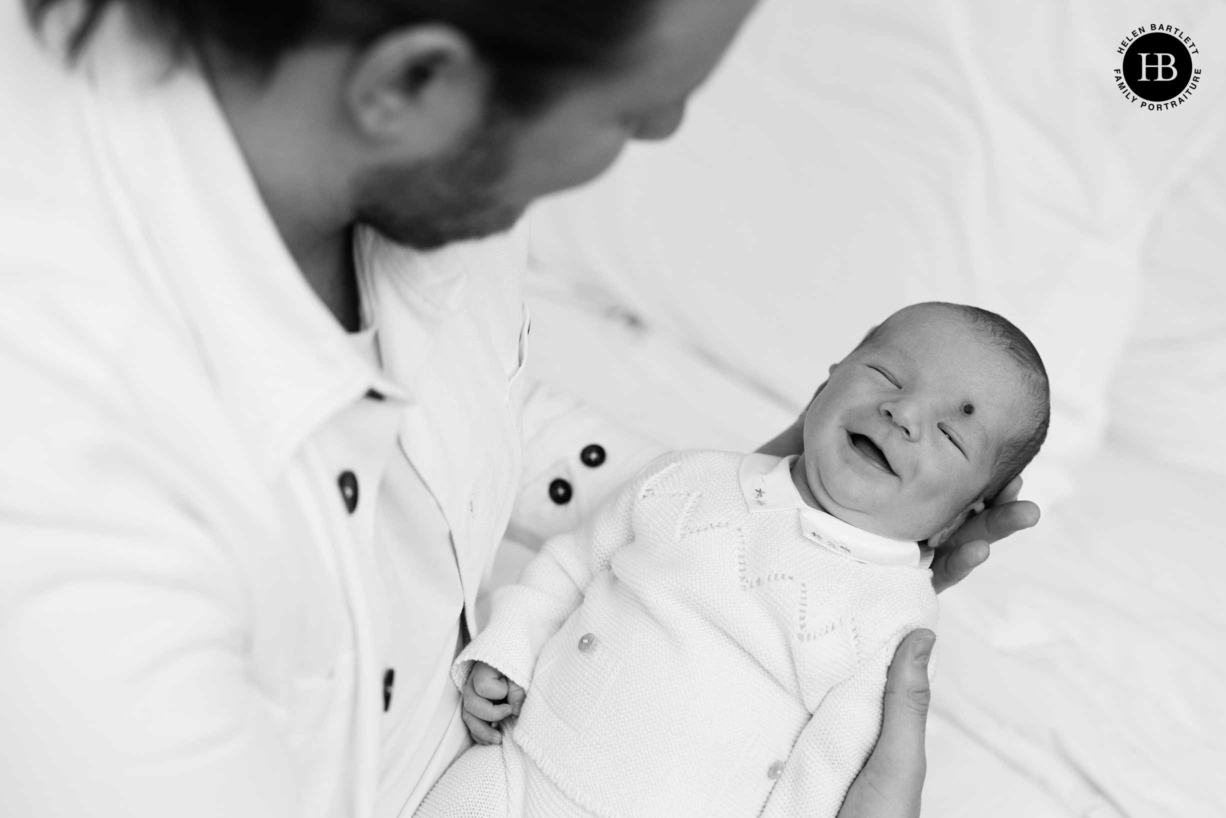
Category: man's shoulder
[74,321]
[90,361]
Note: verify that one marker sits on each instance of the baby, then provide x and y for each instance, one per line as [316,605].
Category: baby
[714,641]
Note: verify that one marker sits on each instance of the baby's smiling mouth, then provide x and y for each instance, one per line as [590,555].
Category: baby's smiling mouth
[871,450]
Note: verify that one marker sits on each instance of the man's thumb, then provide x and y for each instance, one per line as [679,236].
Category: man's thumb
[892,781]
[906,701]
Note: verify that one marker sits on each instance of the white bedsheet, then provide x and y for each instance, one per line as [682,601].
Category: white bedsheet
[1087,656]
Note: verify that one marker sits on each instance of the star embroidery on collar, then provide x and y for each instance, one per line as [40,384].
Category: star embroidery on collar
[758,496]
[830,543]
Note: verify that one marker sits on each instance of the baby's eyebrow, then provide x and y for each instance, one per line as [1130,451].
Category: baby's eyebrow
[894,348]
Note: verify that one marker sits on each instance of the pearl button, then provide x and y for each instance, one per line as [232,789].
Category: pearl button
[348,483]
[586,641]
[593,456]
[560,492]
[775,770]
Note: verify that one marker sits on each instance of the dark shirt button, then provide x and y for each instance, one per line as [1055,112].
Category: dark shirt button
[389,681]
[593,455]
[348,482]
[374,395]
[560,491]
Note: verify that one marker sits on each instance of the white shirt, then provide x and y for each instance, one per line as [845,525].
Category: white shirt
[415,595]
[196,617]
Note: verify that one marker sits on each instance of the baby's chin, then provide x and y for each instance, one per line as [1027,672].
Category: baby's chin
[819,497]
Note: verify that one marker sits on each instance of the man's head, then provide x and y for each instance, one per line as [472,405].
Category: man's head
[438,120]
[925,421]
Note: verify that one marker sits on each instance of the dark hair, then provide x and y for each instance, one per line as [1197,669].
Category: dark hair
[1015,454]
[531,45]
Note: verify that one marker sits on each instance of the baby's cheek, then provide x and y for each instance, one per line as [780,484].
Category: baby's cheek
[933,507]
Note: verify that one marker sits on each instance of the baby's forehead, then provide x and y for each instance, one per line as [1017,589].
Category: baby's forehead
[926,332]
[921,316]
[965,359]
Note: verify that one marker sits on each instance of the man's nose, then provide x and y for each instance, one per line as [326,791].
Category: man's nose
[905,415]
[660,124]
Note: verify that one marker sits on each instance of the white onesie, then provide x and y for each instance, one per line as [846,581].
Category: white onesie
[705,645]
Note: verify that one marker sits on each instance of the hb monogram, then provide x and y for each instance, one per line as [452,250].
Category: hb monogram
[1160,65]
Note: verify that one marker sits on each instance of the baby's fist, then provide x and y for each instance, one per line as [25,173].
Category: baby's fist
[489,697]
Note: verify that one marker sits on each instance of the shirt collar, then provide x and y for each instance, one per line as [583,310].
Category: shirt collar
[206,246]
[766,483]
[410,296]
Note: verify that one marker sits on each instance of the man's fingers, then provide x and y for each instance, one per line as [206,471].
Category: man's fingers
[997,522]
[1010,492]
[481,732]
[954,563]
[969,546]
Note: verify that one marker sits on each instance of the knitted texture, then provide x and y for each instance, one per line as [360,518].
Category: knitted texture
[684,656]
[497,781]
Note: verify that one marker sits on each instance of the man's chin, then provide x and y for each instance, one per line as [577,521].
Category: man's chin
[433,236]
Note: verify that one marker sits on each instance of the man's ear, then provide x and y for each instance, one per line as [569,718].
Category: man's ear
[417,91]
[938,539]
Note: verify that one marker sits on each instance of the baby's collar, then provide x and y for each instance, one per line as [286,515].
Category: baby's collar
[766,482]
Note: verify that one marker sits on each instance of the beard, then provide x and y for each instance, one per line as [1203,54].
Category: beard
[458,196]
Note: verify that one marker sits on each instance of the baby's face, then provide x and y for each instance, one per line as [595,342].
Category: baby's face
[903,439]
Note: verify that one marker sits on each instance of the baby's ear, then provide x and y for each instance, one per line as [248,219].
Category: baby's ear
[938,539]
[820,388]
[815,394]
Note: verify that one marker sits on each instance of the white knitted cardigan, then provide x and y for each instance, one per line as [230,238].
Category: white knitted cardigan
[695,651]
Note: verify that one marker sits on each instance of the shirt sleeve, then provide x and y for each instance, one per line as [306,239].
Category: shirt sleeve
[525,615]
[574,460]
[125,684]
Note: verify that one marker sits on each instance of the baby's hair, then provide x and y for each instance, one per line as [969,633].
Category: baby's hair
[1017,452]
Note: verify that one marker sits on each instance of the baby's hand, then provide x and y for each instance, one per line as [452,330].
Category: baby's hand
[489,697]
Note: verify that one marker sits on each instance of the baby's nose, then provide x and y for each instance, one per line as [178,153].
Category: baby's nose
[903,417]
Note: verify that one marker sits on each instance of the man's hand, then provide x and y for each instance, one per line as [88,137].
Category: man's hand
[892,780]
[488,698]
[968,547]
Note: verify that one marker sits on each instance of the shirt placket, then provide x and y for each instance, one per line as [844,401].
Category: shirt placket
[356,446]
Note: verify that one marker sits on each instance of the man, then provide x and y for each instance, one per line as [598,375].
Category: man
[258,445]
